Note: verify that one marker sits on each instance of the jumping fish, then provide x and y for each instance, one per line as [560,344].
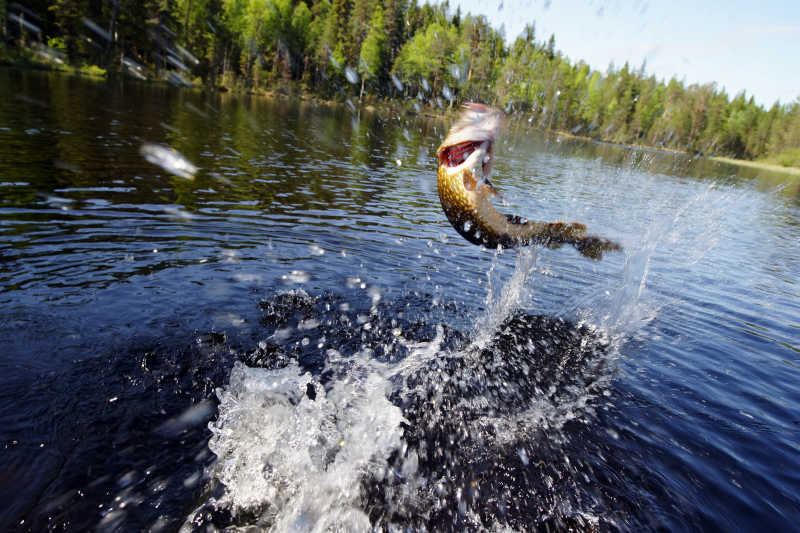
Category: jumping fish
[465,161]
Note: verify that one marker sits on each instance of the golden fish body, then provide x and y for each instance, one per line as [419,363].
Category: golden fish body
[465,159]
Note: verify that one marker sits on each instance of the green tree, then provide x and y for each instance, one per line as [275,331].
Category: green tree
[360,22]
[427,56]
[372,50]
[333,43]
[428,46]
[394,22]
[648,108]
[68,15]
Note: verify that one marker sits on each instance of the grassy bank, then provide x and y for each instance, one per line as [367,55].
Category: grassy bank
[788,163]
[27,58]
[762,165]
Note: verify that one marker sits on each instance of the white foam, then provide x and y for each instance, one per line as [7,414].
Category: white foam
[298,462]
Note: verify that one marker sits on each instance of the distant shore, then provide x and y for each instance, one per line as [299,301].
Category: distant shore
[369,104]
[740,162]
[757,164]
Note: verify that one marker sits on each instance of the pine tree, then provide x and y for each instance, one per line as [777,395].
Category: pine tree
[372,54]
[68,15]
[359,26]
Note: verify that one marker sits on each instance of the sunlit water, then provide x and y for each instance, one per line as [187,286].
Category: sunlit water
[295,339]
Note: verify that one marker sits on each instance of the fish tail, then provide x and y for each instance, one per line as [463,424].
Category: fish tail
[555,234]
[593,247]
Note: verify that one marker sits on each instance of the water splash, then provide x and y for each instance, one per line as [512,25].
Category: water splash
[503,298]
[386,429]
[371,422]
[686,227]
[351,75]
[301,466]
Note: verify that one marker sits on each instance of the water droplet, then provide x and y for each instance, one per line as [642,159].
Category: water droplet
[176,80]
[248,278]
[296,276]
[193,416]
[397,83]
[191,480]
[455,71]
[351,75]
[169,159]
[310,323]
[187,55]
[175,62]
[127,479]
[375,294]
[230,256]
[523,456]
[282,334]
[95,28]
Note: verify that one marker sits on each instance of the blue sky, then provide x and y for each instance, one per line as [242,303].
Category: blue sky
[752,46]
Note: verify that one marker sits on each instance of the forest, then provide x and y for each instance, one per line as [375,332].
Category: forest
[396,49]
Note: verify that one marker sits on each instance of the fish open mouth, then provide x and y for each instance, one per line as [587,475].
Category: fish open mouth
[455,155]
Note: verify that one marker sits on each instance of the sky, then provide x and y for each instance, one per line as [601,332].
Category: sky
[751,46]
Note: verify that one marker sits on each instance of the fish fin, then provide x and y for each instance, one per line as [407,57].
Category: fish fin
[469,181]
[488,188]
[562,231]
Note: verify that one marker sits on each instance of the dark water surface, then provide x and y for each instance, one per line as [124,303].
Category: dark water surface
[296,339]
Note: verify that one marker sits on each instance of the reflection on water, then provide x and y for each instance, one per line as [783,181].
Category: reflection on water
[297,339]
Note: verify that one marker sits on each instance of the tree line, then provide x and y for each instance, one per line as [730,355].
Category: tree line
[400,49]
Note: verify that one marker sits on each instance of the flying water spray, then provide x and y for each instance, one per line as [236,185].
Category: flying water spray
[169,159]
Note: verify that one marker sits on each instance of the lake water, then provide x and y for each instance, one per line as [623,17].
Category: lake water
[296,339]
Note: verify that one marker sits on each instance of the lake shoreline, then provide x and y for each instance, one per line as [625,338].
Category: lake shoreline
[371,104]
[761,165]
[795,171]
